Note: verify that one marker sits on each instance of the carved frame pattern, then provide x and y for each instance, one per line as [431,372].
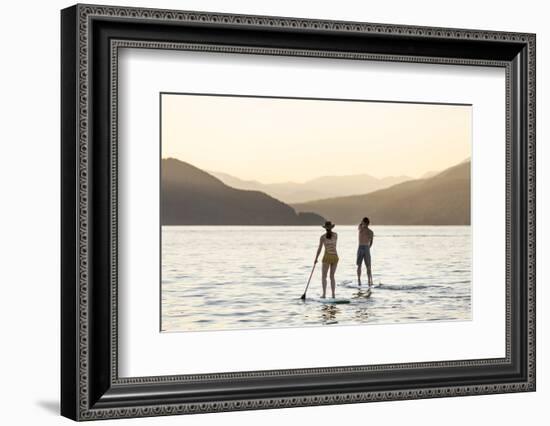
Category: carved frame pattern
[85,13]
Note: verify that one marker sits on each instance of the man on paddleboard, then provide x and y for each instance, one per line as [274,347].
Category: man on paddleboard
[366,237]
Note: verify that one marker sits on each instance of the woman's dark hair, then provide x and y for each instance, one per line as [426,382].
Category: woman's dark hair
[366,221]
[328,226]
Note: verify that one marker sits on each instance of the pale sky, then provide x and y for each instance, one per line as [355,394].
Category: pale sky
[278,140]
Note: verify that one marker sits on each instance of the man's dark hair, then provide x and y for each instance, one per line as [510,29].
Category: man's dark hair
[366,220]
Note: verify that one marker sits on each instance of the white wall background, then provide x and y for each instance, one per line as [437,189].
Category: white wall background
[29,225]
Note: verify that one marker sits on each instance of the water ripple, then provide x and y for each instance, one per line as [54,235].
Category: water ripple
[424,272]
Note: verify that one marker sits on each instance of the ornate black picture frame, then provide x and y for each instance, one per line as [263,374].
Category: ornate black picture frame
[90,385]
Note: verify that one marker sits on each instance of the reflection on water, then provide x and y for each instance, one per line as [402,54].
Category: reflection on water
[328,314]
[232,277]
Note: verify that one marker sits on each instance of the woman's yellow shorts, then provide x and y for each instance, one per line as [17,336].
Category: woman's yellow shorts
[331,259]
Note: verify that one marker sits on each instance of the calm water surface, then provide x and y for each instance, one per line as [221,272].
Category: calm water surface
[238,277]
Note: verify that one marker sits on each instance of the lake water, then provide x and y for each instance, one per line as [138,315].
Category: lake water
[239,277]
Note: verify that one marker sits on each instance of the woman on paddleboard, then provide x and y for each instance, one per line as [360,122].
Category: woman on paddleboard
[330,258]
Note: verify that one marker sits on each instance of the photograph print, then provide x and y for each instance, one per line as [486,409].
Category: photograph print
[296,212]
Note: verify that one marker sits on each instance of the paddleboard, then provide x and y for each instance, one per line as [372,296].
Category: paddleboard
[359,287]
[330,300]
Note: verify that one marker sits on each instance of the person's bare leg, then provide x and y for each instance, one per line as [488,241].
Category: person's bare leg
[359,274]
[333,279]
[369,275]
[324,279]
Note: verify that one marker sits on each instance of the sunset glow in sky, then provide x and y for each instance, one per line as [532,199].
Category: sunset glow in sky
[278,140]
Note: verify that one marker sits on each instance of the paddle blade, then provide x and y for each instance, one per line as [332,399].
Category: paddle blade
[303,297]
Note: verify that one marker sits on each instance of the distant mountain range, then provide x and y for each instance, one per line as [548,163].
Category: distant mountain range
[315,189]
[442,199]
[190,196]
[428,174]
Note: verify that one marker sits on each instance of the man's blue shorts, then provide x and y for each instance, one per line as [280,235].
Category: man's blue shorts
[363,253]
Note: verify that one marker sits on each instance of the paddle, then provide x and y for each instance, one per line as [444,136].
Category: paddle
[308,281]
